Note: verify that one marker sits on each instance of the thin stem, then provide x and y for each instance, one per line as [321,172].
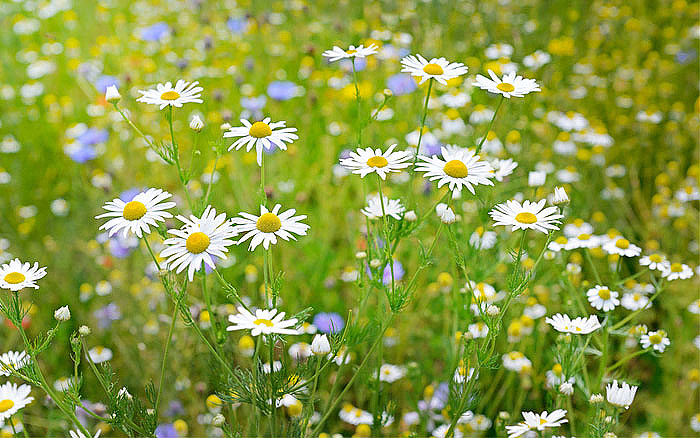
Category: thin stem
[153,256]
[638,311]
[422,123]
[262,178]
[211,179]
[165,357]
[625,359]
[359,104]
[486,134]
[587,254]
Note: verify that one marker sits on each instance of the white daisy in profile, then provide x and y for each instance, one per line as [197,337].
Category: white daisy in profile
[510,86]
[583,240]
[654,261]
[165,94]
[144,210]
[391,373]
[199,240]
[16,275]
[13,398]
[457,167]
[262,134]
[263,322]
[539,422]
[12,360]
[336,53]
[270,225]
[673,271]
[78,434]
[602,298]
[392,207]
[100,354]
[528,215]
[621,396]
[439,69]
[623,247]
[580,326]
[658,340]
[366,161]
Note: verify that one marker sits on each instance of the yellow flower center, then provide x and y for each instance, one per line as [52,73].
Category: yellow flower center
[561,240]
[351,52]
[675,267]
[6,405]
[542,421]
[456,169]
[134,210]
[604,294]
[655,338]
[267,322]
[260,130]
[377,161]
[505,86]
[584,236]
[655,258]
[197,242]
[622,243]
[557,369]
[170,95]
[526,218]
[268,223]
[433,69]
[15,278]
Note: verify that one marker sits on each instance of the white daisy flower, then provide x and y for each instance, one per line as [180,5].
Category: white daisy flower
[78,434]
[144,210]
[392,207]
[510,85]
[602,298]
[463,374]
[580,326]
[355,416]
[654,261]
[391,373]
[634,301]
[583,241]
[336,53]
[503,168]
[164,95]
[100,354]
[577,227]
[694,307]
[621,396]
[366,161]
[268,226]
[657,339]
[670,272]
[439,69]
[199,240]
[478,329]
[622,246]
[536,60]
[13,398]
[261,135]
[457,168]
[528,215]
[12,360]
[16,275]
[539,422]
[263,322]
[516,361]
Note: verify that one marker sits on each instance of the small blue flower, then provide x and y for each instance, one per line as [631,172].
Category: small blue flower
[401,84]
[103,82]
[237,25]
[398,273]
[329,322]
[282,90]
[166,430]
[155,32]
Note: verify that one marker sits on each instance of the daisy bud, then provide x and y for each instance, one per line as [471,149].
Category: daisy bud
[410,216]
[560,197]
[62,314]
[196,124]
[492,310]
[609,434]
[320,345]
[609,419]
[218,420]
[387,92]
[112,94]
[468,336]
[595,399]
[225,126]
[375,263]
[536,178]
[84,330]
[503,415]
[566,388]
[360,255]
[448,216]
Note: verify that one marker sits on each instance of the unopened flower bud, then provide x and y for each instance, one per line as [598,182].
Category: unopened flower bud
[360,255]
[196,123]
[387,92]
[595,399]
[447,216]
[560,197]
[410,216]
[375,263]
[566,388]
[112,94]
[84,330]
[225,126]
[62,314]
[218,420]
[320,345]
[492,310]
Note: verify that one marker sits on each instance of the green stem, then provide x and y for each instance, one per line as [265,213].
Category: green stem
[165,358]
[483,139]
[422,124]
[625,359]
[587,254]
[638,311]
[359,104]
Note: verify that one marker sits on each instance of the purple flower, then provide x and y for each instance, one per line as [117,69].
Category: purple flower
[401,84]
[282,90]
[175,409]
[80,153]
[128,195]
[103,82]
[398,273]
[166,430]
[92,136]
[154,32]
[329,322]
[106,315]
[237,25]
